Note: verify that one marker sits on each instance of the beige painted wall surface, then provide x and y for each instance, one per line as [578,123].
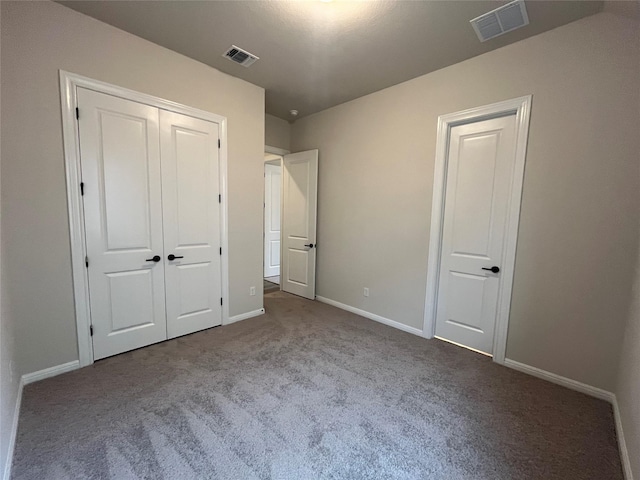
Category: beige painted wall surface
[573,275]
[38,39]
[277,132]
[628,388]
[9,378]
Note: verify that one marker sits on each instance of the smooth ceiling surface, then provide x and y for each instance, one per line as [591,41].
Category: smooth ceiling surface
[314,54]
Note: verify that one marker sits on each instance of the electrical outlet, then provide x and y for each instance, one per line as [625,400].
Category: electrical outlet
[252,291]
[366,292]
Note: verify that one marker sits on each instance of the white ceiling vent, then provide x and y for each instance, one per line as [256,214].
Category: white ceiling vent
[501,20]
[238,55]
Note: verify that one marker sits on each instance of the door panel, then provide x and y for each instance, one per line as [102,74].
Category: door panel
[193,285]
[131,299]
[299,223]
[272,206]
[479,171]
[124,170]
[119,142]
[274,253]
[191,212]
[474,289]
[473,192]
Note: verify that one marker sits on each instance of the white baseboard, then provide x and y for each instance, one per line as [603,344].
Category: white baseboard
[371,316]
[559,380]
[14,432]
[622,444]
[244,316]
[50,372]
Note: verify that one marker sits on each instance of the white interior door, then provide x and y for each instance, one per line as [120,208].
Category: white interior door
[190,188]
[272,207]
[119,144]
[299,207]
[480,168]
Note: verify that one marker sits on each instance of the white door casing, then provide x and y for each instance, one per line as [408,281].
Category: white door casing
[299,212]
[70,86]
[190,189]
[119,143]
[272,208]
[521,108]
[479,171]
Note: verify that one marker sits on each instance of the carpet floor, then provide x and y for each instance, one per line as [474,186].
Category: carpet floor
[270,286]
[308,391]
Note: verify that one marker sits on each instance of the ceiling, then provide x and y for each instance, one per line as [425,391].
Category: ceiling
[317,54]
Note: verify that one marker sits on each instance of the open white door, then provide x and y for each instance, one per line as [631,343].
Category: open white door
[299,212]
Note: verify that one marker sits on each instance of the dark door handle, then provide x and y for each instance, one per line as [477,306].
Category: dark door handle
[311,245]
[156,258]
[173,257]
[492,269]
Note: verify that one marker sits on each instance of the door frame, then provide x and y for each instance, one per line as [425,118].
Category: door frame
[521,107]
[69,83]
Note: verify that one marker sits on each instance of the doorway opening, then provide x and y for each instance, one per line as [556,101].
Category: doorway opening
[272,221]
[290,213]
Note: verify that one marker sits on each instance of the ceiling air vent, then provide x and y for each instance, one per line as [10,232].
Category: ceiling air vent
[238,55]
[501,20]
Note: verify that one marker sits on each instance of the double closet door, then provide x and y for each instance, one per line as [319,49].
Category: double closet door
[152,222]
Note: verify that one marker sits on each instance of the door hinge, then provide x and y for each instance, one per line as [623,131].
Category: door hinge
[91,330]
[220,301]
[219,198]
[77,113]
[218,143]
[82,188]
[86,262]
[220,250]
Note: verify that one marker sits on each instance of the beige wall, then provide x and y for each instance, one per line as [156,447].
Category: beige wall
[628,387]
[9,378]
[277,132]
[573,275]
[38,39]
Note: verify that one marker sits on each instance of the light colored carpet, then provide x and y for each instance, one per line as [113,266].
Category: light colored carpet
[308,391]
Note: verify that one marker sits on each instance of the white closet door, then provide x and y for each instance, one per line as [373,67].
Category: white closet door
[191,210]
[119,143]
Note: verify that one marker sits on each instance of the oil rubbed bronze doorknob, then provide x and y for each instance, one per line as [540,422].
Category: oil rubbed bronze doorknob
[492,269]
